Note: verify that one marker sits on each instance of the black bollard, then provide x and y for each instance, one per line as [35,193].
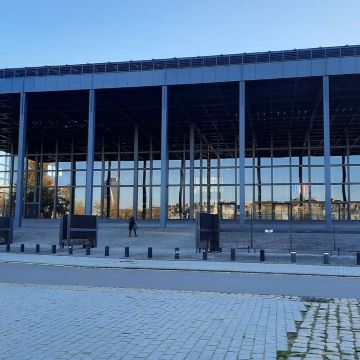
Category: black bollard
[204,254]
[358,258]
[127,252]
[71,250]
[293,257]
[87,249]
[326,258]
[177,254]
[37,248]
[262,255]
[107,250]
[232,254]
[22,248]
[149,252]
[53,249]
[8,247]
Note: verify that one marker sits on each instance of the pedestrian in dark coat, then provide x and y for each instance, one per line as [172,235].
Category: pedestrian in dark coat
[132,226]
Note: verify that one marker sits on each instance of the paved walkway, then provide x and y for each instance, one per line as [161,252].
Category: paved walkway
[81,261]
[330,330]
[62,322]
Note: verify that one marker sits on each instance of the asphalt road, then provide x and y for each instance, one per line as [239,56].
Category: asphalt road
[318,286]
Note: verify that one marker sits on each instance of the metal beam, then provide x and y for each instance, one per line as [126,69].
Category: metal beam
[326,124]
[192,157]
[242,151]
[164,158]
[90,153]
[21,159]
[136,170]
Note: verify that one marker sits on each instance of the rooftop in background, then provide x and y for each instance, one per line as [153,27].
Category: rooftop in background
[183,63]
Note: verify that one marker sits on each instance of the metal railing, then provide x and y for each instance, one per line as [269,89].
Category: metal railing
[183,63]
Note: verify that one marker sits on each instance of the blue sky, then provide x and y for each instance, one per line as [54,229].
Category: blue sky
[48,32]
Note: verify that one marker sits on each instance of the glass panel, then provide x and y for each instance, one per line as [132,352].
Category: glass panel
[110,202]
[64,165]
[337,174]
[354,159]
[300,192]
[355,174]
[80,165]
[4,201]
[281,175]
[227,176]
[126,164]
[4,178]
[64,178]
[300,174]
[96,203]
[300,211]
[317,160]
[47,202]
[355,211]
[178,202]
[174,177]
[281,161]
[156,180]
[79,205]
[339,192]
[80,178]
[126,202]
[262,193]
[355,192]
[143,211]
[317,175]
[97,178]
[227,162]
[156,203]
[265,175]
[63,201]
[317,193]
[227,194]
[248,176]
[98,165]
[318,211]
[144,177]
[281,193]
[174,163]
[110,177]
[249,194]
[126,177]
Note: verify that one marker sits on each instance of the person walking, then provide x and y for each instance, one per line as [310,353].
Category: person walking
[132,226]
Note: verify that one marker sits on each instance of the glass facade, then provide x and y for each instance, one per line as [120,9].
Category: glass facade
[284,169]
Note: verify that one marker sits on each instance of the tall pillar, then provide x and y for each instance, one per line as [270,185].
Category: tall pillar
[164,158]
[136,170]
[192,157]
[21,159]
[90,153]
[326,116]
[242,151]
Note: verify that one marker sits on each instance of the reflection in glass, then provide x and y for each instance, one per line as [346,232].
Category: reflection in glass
[126,177]
[155,211]
[47,202]
[317,174]
[63,201]
[281,175]
[64,178]
[96,203]
[79,198]
[126,202]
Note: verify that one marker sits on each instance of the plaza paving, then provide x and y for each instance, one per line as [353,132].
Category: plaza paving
[62,322]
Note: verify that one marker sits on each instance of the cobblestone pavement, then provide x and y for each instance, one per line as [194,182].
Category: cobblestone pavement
[330,330]
[63,322]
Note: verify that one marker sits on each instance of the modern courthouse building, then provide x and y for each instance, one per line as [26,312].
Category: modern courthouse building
[262,136]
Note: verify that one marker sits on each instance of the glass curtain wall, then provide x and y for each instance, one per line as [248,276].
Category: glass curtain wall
[284,164]
[345,147]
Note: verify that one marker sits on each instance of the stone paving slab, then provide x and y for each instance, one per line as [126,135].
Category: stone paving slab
[330,330]
[73,322]
[295,269]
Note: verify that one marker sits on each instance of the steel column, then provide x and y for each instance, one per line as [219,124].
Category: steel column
[242,151]
[164,158]
[90,154]
[192,157]
[21,159]
[326,115]
[136,170]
